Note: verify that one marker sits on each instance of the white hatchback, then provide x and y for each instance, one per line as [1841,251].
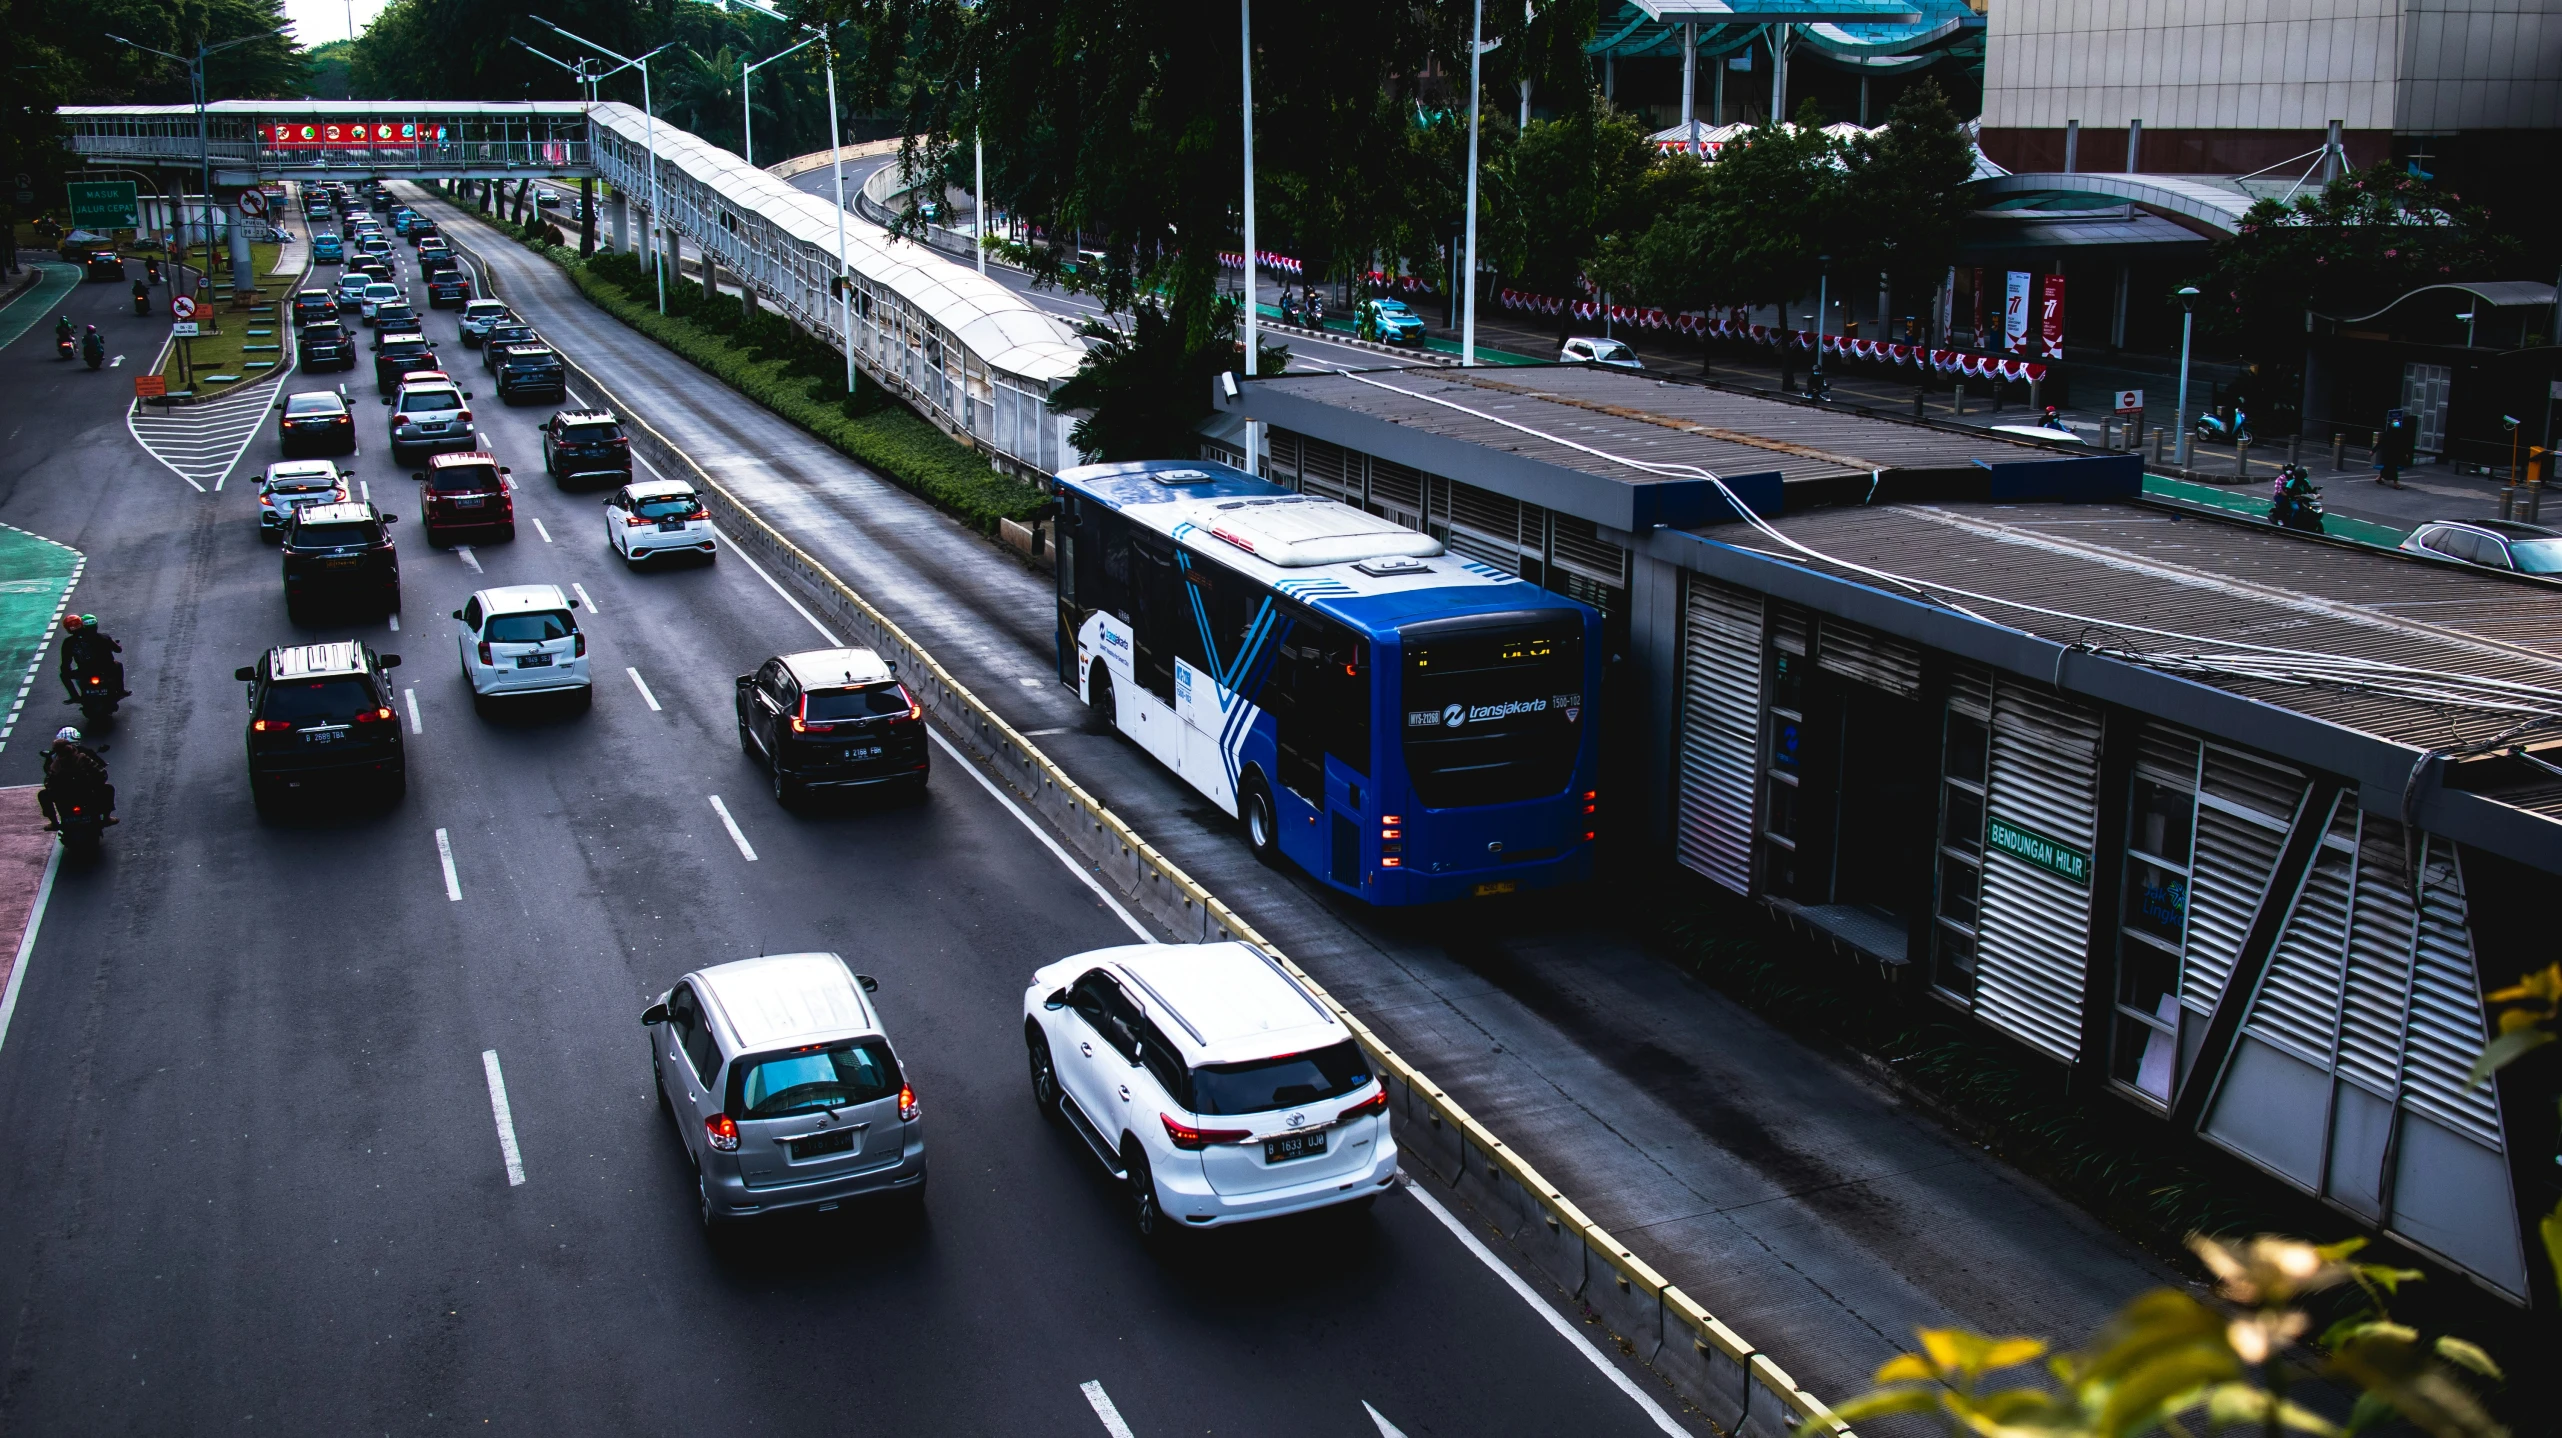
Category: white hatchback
[1209,1082]
[521,639]
[656,517]
[378,294]
[289,484]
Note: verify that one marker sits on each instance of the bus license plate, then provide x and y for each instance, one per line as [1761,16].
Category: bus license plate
[1293,1145]
[1499,886]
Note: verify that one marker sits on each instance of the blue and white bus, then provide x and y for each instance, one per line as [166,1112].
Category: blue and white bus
[1406,725]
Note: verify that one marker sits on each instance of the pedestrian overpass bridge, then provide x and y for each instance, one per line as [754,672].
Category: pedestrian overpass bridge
[971,355]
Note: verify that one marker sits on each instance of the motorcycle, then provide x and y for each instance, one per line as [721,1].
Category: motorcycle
[142,303]
[98,700]
[151,271]
[81,823]
[2294,503]
[62,347]
[94,352]
[2236,430]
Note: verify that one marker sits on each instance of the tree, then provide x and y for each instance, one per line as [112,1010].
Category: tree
[1574,183]
[1904,197]
[2350,248]
[1147,386]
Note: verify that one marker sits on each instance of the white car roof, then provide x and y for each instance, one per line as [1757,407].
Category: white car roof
[302,469]
[1228,1002]
[519,598]
[821,668]
[786,999]
[659,488]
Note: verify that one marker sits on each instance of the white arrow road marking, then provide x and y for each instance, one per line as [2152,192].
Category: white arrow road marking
[731,824]
[1386,1428]
[1103,1409]
[643,686]
[506,1119]
[581,591]
[445,856]
[538,529]
[116,363]
[412,696]
[463,553]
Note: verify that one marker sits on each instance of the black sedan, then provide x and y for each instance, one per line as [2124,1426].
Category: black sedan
[316,422]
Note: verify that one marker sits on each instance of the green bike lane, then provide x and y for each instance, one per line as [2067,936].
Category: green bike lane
[27,310]
[36,577]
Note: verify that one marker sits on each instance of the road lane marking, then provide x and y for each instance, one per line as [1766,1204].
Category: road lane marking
[1545,1310]
[1386,1428]
[581,591]
[731,824]
[1101,1402]
[1073,867]
[463,553]
[445,856]
[506,1119]
[538,528]
[394,621]
[364,490]
[646,697]
[759,570]
[27,939]
[1030,682]
[412,696]
[1043,733]
[117,363]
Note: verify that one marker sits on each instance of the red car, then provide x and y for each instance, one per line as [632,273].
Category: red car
[460,495]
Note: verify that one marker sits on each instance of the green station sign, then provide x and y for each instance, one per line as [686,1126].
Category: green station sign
[2029,846]
[104,205]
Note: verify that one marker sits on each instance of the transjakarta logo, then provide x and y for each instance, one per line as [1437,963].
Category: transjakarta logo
[1458,715]
[1114,639]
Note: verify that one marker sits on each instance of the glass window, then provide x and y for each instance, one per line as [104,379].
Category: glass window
[317,701]
[463,478]
[430,401]
[303,404]
[534,628]
[331,536]
[2152,930]
[2156,900]
[667,506]
[2537,556]
[1962,821]
[827,706]
[1284,1082]
[1965,760]
[1967,749]
[590,432]
[2161,820]
[807,1080]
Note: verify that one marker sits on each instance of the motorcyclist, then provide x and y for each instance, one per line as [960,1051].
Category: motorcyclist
[62,331]
[141,296]
[93,345]
[2292,497]
[73,770]
[87,649]
[151,272]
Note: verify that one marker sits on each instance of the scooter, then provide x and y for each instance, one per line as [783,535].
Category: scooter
[62,347]
[142,304]
[98,701]
[2295,503]
[81,823]
[95,352]
[2236,430]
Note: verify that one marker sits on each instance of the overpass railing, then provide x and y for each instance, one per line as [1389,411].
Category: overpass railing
[249,140]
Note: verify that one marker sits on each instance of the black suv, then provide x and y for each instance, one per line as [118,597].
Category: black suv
[343,550]
[530,369]
[321,716]
[397,354]
[587,444]
[327,345]
[831,718]
[510,331]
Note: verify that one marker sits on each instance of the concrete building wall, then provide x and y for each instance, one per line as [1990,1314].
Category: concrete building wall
[2480,65]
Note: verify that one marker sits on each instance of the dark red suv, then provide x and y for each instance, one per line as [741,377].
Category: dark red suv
[462,495]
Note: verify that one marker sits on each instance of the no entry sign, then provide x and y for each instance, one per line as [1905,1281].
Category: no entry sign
[182,307]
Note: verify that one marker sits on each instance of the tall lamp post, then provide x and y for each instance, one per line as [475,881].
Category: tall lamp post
[649,112]
[978,160]
[824,35]
[1253,325]
[746,110]
[2187,321]
[1468,279]
[204,143]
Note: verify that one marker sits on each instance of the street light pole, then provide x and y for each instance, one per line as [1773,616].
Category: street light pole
[746,110]
[649,112]
[1253,327]
[1476,66]
[2187,320]
[836,162]
[978,153]
[204,142]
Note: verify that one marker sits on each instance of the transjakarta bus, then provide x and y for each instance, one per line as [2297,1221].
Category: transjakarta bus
[1406,725]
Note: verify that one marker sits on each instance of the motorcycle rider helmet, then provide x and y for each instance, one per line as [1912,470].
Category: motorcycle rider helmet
[66,735]
[88,621]
[71,622]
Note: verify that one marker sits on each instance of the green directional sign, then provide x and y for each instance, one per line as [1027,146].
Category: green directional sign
[2054,857]
[104,205]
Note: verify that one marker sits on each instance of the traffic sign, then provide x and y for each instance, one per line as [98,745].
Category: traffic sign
[182,307]
[2129,401]
[150,386]
[183,329]
[104,204]
[252,203]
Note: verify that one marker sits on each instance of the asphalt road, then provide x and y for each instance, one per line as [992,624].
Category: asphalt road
[260,1182]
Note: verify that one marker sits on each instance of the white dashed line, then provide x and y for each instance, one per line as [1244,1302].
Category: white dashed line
[412,696]
[538,529]
[1032,682]
[364,491]
[759,570]
[394,621]
[735,836]
[581,591]
[498,1109]
[1103,1409]
[646,697]
[445,856]
[463,553]
[1080,870]
[1043,733]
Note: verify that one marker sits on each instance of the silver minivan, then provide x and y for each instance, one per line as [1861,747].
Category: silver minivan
[784,1089]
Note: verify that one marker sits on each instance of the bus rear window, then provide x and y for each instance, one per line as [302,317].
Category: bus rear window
[1493,716]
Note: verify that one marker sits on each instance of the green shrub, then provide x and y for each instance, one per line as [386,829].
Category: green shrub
[772,362]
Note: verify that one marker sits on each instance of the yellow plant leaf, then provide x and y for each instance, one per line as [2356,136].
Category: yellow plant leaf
[2012,1352]
[2164,1320]
[1947,1348]
[1889,1400]
[2468,1355]
[1906,1368]
[2171,1382]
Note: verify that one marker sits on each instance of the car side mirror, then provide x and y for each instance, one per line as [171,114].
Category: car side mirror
[458,614]
[654,1015]
[746,679]
[418,476]
[391,661]
[245,673]
[391,519]
[1057,1000]
[466,394]
[503,469]
[386,400]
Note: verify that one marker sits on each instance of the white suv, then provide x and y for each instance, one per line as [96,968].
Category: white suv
[1209,1081]
[521,639]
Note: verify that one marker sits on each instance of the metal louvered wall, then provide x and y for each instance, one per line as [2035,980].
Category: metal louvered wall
[2349,1076]
[1869,657]
[2246,806]
[2036,923]
[1720,731]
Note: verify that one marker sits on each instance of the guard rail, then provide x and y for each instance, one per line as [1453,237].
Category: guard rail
[1739,1387]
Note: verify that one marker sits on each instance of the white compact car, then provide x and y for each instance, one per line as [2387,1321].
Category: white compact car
[1592,349]
[656,517]
[289,484]
[521,639]
[1208,1081]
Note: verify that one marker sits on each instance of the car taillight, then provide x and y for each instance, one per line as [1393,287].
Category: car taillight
[270,726]
[372,716]
[1375,1103]
[634,521]
[908,1107]
[465,416]
[1193,1140]
[578,645]
[620,443]
[698,512]
[485,656]
[723,1131]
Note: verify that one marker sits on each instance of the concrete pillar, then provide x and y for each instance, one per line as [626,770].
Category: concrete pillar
[2072,145]
[622,223]
[2134,146]
[1779,73]
[242,266]
[1690,83]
